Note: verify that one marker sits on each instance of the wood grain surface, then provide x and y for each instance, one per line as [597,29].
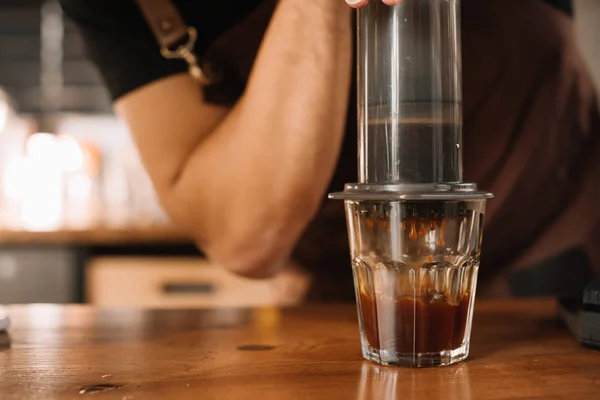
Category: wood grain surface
[96,236]
[519,351]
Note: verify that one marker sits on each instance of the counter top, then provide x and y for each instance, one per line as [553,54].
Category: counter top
[96,236]
[518,351]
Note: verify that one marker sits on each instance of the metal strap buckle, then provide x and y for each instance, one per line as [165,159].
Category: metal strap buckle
[186,52]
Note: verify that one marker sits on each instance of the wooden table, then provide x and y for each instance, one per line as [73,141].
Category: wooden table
[518,351]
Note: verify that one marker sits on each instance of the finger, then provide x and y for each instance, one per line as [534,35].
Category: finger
[392,2]
[357,3]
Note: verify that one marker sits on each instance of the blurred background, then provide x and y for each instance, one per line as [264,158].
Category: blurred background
[79,221]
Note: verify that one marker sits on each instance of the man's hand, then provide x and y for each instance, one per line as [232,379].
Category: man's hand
[362,3]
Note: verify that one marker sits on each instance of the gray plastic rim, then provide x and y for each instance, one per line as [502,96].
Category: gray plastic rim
[411,192]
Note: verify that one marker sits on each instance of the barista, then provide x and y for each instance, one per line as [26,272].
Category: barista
[247,174]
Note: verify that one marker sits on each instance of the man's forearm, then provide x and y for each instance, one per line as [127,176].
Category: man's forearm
[259,177]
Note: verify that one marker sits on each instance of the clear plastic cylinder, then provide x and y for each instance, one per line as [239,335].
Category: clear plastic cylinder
[409,92]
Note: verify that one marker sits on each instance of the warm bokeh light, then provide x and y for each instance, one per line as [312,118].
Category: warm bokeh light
[41,183]
[70,153]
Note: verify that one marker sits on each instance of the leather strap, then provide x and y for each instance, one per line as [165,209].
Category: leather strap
[176,41]
[175,38]
[165,21]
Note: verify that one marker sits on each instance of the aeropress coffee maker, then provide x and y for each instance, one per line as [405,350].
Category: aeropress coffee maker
[415,227]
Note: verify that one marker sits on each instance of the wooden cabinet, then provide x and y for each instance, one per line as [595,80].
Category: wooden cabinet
[179,282]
